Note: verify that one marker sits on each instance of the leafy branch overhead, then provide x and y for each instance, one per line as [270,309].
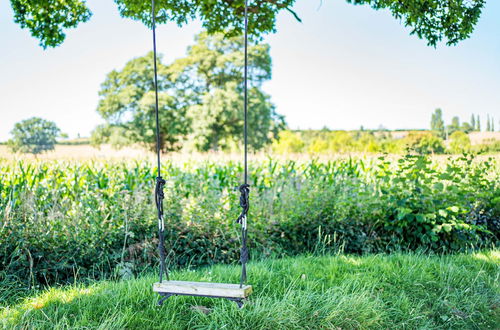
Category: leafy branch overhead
[432,20]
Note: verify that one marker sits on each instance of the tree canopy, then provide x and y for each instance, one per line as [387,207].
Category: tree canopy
[437,122]
[34,135]
[432,20]
[200,98]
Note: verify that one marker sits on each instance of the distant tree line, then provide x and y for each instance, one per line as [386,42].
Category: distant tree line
[377,141]
[438,126]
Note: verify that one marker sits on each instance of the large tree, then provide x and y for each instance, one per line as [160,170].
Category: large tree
[127,103]
[201,97]
[433,20]
[34,135]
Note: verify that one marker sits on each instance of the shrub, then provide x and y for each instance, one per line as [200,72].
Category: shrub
[459,142]
[424,143]
[288,142]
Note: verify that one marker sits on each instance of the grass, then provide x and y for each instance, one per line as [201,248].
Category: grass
[310,292]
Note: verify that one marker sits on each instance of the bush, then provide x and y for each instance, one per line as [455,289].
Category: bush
[98,219]
[459,142]
[288,142]
[424,143]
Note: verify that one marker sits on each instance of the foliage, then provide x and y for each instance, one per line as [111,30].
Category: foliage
[97,219]
[400,291]
[437,122]
[424,143]
[34,135]
[201,98]
[490,124]
[127,103]
[454,126]
[433,20]
[47,20]
[211,77]
[117,136]
[459,142]
[390,142]
[288,142]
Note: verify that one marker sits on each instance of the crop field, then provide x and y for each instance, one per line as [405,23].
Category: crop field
[63,220]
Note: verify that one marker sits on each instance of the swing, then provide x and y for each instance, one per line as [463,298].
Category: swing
[234,292]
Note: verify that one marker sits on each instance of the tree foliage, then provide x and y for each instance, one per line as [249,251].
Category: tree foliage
[47,20]
[431,20]
[437,122]
[200,98]
[127,103]
[424,143]
[34,135]
[459,142]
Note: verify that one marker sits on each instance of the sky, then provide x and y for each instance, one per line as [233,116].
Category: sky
[343,67]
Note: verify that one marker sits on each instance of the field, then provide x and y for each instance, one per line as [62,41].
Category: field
[312,292]
[393,238]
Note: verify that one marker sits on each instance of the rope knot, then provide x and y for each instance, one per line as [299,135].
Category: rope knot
[244,201]
[160,184]
[159,196]
[244,255]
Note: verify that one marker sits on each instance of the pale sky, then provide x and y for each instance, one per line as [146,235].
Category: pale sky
[343,67]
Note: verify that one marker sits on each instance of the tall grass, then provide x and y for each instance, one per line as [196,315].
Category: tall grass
[397,291]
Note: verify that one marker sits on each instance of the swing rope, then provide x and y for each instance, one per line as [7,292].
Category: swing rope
[160,182]
[245,187]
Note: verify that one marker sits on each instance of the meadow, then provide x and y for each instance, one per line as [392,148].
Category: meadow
[403,291]
[91,224]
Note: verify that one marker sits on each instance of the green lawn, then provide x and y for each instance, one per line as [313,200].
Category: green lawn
[329,292]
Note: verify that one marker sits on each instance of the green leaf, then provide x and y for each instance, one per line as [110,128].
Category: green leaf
[443,213]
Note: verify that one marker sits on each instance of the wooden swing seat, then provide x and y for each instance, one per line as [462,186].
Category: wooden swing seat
[203,289]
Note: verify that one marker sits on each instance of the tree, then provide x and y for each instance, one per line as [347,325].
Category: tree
[127,103]
[432,20]
[437,123]
[478,124]
[488,123]
[210,77]
[466,127]
[473,122]
[459,142]
[34,135]
[115,135]
[454,126]
[200,98]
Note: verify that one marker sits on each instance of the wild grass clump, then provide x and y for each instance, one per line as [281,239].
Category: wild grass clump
[397,291]
[63,221]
